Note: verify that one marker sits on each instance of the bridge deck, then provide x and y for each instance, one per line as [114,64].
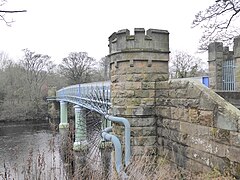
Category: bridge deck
[94,96]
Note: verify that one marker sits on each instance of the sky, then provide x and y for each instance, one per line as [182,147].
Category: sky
[58,27]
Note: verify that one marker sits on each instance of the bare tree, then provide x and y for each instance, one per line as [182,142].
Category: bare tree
[4,12]
[35,68]
[105,67]
[77,67]
[184,65]
[217,22]
[4,60]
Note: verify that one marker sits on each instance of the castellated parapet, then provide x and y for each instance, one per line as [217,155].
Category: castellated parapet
[153,44]
[236,47]
[217,54]
[236,50]
[154,40]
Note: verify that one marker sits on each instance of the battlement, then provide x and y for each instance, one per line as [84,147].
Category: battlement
[154,40]
[236,47]
[216,50]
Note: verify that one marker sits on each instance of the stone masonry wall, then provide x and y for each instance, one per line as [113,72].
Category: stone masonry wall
[231,96]
[197,129]
[217,54]
[215,60]
[183,120]
[236,50]
[136,62]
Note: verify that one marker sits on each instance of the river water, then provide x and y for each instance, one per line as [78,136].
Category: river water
[30,152]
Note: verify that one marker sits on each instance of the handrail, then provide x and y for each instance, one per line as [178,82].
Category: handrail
[81,94]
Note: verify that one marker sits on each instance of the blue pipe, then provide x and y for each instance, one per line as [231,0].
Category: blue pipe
[117,147]
[126,123]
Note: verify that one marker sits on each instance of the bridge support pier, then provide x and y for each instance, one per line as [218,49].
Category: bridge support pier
[63,115]
[80,143]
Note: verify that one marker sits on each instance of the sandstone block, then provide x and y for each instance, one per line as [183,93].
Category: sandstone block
[122,94]
[119,101]
[193,115]
[233,154]
[193,92]
[142,94]
[144,141]
[147,101]
[170,124]
[178,84]
[206,118]
[133,101]
[221,135]
[148,85]
[162,85]
[134,77]
[225,122]
[179,102]
[142,121]
[235,138]
[162,93]
[177,93]
[143,131]
[179,113]
[144,150]
[133,85]
[163,111]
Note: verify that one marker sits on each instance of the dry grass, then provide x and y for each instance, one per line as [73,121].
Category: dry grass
[37,167]
[142,168]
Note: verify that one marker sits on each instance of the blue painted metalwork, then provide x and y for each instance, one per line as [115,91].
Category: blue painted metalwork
[93,96]
[96,97]
[117,146]
[126,124]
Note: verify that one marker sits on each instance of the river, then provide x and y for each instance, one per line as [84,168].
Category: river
[30,152]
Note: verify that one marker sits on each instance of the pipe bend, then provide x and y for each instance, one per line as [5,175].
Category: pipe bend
[118,119]
[117,147]
[108,129]
[126,124]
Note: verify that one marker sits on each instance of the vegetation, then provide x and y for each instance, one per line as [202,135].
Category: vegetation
[141,168]
[219,22]
[77,67]
[4,12]
[24,84]
[184,65]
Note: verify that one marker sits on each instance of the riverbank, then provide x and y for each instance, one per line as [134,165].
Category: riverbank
[17,122]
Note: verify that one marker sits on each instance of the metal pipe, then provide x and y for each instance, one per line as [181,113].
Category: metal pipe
[117,147]
[126,123]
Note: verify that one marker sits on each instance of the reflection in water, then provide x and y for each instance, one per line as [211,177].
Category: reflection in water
[36,152]
[31,149]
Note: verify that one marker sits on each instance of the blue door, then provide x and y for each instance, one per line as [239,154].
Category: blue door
[205,81]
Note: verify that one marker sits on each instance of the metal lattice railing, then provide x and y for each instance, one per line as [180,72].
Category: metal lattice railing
[229,75]
[94,96]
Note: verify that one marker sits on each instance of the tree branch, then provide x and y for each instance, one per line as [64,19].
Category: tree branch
[3,11]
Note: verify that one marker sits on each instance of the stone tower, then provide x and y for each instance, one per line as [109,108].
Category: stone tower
[215,62]
[217,54]
[136,63]
[236,50]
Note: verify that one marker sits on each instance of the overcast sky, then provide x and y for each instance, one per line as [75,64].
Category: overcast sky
[57,27]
